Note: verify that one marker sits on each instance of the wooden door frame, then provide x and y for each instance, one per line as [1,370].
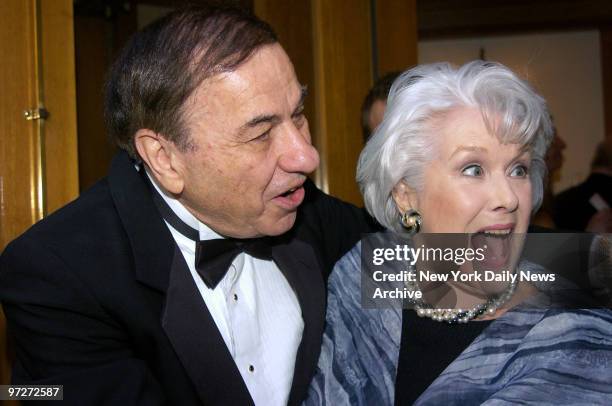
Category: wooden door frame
[50,174]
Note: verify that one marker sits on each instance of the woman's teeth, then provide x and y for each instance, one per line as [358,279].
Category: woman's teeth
[497,232]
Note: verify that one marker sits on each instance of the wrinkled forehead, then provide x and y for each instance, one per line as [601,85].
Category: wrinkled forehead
[264,84]
[267,69]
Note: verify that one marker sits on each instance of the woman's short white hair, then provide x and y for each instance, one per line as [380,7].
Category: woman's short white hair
[402,144]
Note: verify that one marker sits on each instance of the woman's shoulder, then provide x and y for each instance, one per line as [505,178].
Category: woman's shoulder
[358,359]
[527,349]
[544,330]
[351,261]
[571,349]
[345,277]
[573,329]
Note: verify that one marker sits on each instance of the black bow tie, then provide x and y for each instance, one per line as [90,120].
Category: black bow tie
[212,257]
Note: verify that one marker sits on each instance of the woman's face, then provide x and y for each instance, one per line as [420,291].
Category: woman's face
[474,184]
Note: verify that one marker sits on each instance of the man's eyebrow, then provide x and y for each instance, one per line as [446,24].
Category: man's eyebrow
[265,118]
[300,104]
[273,118]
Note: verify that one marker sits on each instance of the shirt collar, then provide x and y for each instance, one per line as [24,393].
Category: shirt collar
[205,232]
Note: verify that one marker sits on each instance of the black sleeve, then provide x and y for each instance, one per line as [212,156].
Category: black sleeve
[62,336]
[338,225]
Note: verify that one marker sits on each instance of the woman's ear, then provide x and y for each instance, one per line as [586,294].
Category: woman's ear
[405,197]
[162,158]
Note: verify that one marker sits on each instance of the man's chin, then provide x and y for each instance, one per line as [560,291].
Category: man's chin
[281,225]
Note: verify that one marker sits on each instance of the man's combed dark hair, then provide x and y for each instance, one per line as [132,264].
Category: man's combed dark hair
[163,64]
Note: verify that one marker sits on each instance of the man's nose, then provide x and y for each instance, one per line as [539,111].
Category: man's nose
[297,154]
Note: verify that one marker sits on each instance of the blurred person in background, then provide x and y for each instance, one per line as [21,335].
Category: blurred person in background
[374,104]
[554,161]
[586,207]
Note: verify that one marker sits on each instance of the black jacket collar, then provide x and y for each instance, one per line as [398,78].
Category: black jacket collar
[154,252]
[151,242]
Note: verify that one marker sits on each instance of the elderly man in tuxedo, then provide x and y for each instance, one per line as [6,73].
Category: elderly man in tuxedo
[194,272]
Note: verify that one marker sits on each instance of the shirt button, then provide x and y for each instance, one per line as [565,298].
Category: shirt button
[251,368]
[235,297]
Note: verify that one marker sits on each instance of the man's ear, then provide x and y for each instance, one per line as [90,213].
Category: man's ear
[405,197]
[162,159]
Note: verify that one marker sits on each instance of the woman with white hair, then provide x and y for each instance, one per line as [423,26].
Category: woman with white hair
[460,150]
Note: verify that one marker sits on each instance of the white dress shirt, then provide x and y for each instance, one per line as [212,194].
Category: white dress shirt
[255,310]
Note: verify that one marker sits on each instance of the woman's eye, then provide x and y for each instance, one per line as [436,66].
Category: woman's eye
[473,170]
[519,171]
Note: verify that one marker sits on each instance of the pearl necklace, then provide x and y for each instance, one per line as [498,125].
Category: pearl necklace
[453,316]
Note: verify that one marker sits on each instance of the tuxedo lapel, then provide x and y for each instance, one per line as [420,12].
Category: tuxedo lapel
[297,261]
[197,341]
[160,265]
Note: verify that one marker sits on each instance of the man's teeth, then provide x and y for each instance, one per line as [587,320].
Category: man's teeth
[497,232]
[288,192]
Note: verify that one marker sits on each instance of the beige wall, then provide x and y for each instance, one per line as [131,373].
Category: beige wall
[566,70]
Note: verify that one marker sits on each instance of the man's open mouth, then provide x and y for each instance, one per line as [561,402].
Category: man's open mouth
[289,192]
[291,198]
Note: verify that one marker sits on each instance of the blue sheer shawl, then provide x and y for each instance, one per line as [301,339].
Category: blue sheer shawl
[526,356]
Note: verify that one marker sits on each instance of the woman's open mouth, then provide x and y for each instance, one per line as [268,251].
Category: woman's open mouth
[496,246]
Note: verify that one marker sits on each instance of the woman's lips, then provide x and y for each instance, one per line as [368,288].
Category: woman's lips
[508,227]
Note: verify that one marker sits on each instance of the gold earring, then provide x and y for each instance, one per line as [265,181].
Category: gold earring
[411,220]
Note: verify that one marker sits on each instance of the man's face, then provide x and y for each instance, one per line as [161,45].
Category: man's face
[251,148]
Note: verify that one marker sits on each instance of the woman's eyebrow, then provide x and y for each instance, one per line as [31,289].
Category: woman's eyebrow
[468,148]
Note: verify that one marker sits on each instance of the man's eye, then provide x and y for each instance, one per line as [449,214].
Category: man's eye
[262,137]
[299,119]
[519,171]
[472,170]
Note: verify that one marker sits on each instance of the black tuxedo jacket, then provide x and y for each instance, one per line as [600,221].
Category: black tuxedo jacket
[98,298]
